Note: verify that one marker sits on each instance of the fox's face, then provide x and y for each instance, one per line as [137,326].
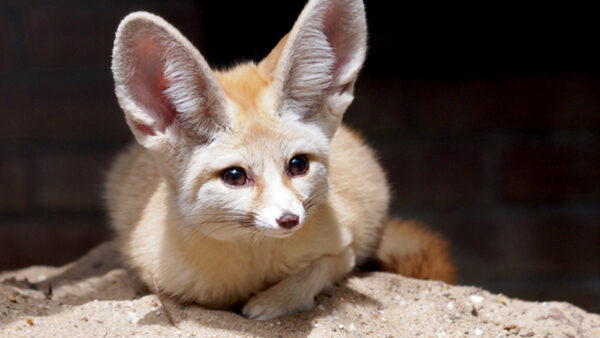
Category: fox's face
[244,150]
[261,175]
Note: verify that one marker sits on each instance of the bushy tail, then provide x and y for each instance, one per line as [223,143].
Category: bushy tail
[411,249]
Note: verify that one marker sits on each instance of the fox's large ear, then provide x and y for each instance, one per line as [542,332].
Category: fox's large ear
[166,88]
[315,66]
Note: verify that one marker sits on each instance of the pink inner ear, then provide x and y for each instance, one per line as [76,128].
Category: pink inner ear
[148,83]
[342,42]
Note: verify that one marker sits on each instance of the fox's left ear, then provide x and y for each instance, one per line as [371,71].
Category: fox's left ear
[315,66]
[168,92]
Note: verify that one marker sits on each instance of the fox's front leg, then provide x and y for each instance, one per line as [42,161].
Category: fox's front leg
[297,292]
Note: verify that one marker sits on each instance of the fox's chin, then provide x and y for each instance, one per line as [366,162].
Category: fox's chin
[278,233]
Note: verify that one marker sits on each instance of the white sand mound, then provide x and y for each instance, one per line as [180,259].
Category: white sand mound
[95,296]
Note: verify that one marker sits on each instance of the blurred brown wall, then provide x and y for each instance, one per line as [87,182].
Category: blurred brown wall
[489,132]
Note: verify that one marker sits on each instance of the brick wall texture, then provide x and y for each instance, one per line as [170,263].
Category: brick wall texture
[506,164]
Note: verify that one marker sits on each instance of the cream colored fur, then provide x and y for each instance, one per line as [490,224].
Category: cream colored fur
[202,241]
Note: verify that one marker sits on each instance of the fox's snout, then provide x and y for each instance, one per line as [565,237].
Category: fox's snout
[288,221]
[282,208]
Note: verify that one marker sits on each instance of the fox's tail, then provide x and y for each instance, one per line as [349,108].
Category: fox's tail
[411,249]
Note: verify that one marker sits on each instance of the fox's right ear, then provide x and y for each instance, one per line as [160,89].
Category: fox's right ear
[167,90]
[315,66]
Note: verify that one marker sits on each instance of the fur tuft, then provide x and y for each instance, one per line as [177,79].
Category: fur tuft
[411,249]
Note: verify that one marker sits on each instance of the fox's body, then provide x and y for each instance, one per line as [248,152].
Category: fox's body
[222,273]
[244,187]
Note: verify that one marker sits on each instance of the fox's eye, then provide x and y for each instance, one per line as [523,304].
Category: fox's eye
[234,177]
[298,165]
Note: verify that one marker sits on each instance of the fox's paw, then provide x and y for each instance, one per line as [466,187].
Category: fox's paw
[273,303]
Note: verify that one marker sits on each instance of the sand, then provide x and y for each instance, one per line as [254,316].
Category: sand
[96,296]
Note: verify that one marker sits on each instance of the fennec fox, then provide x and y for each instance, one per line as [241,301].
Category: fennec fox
[243,187]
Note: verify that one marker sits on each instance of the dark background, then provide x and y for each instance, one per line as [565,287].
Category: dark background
[486,119]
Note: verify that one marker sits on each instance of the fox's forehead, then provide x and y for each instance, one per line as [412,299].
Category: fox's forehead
[262,143]
[258,133]
[246,87]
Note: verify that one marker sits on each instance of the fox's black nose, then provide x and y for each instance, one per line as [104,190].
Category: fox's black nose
[288,221]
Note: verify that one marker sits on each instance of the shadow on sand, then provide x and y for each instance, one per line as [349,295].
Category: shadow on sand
[100,275]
